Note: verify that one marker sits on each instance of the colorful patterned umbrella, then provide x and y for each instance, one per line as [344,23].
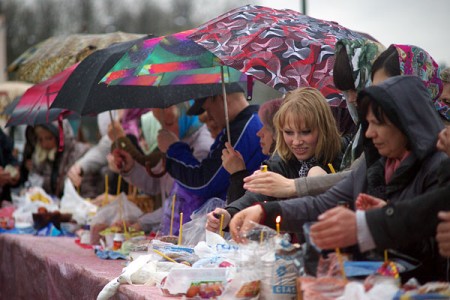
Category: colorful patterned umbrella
[55,54]
[282,48]
[169,60]
[34,106]
[83,94]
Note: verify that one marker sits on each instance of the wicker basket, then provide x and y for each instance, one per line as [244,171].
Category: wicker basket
[145,202]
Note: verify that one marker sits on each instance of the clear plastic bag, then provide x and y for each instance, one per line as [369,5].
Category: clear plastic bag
[194,230]
[119,209]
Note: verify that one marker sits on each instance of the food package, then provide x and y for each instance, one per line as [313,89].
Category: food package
[206,283]
[245,284]
[321,288]
[280,271]
[180,254]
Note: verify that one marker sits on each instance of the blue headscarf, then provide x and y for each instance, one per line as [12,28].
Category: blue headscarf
[187,125]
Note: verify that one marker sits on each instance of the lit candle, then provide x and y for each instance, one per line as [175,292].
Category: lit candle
[278,220]
[180,234]
[221,225]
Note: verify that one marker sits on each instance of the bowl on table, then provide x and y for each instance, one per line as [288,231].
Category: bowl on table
[42,219]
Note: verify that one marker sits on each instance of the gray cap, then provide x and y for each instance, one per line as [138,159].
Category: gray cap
[197,109]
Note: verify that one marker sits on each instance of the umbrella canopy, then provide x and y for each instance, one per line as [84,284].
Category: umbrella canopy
[170,60]
[34,106]
[55,54]
[82,93]
[10,90]
[282,48]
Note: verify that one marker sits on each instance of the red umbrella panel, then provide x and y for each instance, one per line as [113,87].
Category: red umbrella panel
[34,106]
[282,48]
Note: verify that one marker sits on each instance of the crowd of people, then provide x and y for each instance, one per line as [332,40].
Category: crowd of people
[391,172]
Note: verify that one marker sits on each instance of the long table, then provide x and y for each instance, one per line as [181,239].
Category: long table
[33,267]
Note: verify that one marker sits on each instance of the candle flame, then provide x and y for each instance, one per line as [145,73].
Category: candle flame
[278,219]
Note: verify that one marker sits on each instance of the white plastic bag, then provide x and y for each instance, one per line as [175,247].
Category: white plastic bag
[28,204]
[73,203]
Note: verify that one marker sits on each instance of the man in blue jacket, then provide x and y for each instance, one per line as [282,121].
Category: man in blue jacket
[207,178]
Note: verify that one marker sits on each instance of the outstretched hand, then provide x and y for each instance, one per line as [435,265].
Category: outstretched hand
[122,160]
[241,222]
[165,139]
[232,160]
[115,131]
[270,184]
[336,229]
[213,219]
[74,174]
[443,143]
[443,233]
[366,202]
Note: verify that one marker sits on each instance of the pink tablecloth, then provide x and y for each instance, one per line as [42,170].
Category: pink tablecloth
[56,268]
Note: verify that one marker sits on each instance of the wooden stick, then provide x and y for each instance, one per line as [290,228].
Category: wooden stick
[172,214]
[331,168]
[105,199]
[221,225]
[341,263]
[121,215]
[119,182]
[165,256]
[180,233]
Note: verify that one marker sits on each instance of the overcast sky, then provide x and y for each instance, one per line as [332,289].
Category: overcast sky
[416,22]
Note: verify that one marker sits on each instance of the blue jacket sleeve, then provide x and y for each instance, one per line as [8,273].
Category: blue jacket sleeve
[208,178]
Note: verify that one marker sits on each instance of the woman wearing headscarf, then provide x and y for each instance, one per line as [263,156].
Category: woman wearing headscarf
[52,165]
[400,128]
[175,122]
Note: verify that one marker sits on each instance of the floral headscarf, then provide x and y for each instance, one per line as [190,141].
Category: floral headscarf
[445,75]
[361,55]
[416,61]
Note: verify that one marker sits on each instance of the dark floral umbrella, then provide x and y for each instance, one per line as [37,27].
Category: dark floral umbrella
[282,48]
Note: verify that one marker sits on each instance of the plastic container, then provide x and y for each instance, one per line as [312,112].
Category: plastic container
[119,238]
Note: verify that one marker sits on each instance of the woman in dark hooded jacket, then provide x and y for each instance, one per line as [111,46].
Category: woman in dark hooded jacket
[403,103]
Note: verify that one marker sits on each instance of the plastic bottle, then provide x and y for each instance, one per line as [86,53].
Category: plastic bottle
[118,240]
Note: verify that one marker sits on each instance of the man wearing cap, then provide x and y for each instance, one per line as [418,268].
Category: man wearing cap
[207,178]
